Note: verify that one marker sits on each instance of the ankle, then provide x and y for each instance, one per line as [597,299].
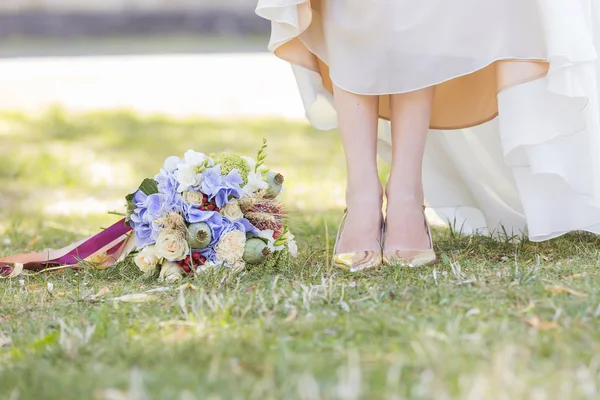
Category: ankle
[405,194]
[405,199]
[364,200]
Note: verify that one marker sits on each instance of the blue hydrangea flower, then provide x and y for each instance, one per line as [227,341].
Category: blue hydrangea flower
[148,210]
[219,187]
[167,184]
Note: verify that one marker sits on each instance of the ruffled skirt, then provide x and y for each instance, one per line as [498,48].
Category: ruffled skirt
[516,117]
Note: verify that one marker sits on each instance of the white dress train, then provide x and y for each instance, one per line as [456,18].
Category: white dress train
[534,168]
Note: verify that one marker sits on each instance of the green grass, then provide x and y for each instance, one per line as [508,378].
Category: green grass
[163,44]
[490,320]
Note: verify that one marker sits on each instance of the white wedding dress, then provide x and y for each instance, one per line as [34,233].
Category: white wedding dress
[515,140]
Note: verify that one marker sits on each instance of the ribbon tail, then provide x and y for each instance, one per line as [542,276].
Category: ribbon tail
[104,248]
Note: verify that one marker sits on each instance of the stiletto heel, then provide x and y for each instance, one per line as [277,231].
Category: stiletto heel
[357,261]
[411,258]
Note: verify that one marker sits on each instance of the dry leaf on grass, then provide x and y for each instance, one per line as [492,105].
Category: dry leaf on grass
[187,286]
[159,289]
[177,336]
[5,341]
[292,316]
[100,293]
[574,276]
[33,288]
[473,311]
[135,298]
[530,306]
[537,323]
[566,290]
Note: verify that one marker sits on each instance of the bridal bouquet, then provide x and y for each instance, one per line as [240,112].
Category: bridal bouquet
[202,211]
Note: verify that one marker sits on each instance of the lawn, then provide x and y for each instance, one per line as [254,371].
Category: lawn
[490,320]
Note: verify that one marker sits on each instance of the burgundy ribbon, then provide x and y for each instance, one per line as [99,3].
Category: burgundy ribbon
[72,254]
[93,244]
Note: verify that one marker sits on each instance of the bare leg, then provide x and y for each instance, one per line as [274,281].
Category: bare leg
[410,116]
[358,116]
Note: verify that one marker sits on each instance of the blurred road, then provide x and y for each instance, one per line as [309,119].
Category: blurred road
[231,85]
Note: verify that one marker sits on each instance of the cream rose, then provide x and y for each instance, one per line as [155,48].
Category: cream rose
[232,211]
[192,197]
[230,248]
[171,245]
[147,259]
[170,272]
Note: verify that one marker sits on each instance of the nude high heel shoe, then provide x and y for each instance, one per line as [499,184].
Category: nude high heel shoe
[411,258]
[357,261]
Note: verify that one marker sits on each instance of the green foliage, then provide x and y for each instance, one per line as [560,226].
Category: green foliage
[149,186]
[130,206]
[261,156]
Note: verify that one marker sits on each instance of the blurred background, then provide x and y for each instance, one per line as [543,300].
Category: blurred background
[95,94]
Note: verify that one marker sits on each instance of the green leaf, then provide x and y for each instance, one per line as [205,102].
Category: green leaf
[149,186]
[130,207]
[260,157]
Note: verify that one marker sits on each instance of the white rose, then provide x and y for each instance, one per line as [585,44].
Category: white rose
[290,241]
[268,235]
[171,163]
[194,158]
[251,162]
[192,197]
[171,245]
[232,211]
[170,272]
[230,248]
[255,183]
[147,259]
[292,247]
[187,176]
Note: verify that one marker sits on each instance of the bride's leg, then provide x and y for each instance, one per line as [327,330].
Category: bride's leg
[410,116]
[357,118]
